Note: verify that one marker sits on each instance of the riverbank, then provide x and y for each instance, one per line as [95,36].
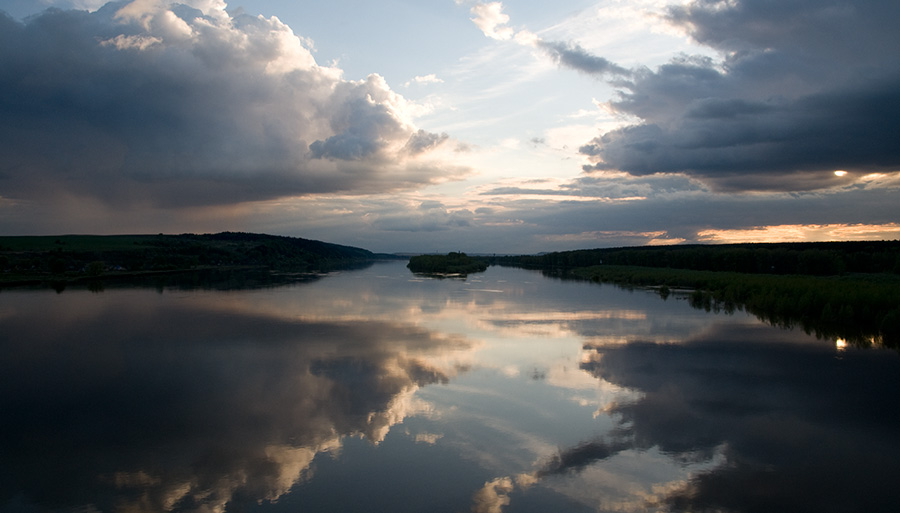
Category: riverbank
[863,309]
[846,290]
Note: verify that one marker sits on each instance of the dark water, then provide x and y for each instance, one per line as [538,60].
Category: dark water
[375,390]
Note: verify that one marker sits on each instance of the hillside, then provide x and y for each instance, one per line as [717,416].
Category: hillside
[30,259]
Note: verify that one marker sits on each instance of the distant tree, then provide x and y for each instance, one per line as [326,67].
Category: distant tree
[451,263]
[57,265]
[95,268]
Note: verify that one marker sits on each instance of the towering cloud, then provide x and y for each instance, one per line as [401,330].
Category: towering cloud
[187,104]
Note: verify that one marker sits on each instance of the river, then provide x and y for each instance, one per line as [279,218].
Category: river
[380,390]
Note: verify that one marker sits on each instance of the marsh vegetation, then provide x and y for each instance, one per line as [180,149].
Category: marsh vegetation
[847,290]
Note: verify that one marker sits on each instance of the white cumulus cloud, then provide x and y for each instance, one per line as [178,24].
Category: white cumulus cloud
[492,21]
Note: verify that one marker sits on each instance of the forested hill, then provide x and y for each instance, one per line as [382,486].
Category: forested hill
[809,258]
[74,256]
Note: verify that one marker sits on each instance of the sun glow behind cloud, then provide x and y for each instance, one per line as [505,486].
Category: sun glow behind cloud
[803,233]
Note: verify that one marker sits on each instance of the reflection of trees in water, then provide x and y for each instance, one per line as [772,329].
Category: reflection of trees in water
[188,409]
[862,312]
[861,309]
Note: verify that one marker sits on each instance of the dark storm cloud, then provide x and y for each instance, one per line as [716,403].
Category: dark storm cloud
[172,105]
[804,88]
[722,140]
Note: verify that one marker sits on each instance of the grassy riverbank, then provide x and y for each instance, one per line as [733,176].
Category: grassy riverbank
[861,308]
[837,290]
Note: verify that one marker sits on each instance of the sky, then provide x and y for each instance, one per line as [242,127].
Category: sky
[453,125]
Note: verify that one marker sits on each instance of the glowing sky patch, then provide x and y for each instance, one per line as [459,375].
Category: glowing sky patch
[803,233]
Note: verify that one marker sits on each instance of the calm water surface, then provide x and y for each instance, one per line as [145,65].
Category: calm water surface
[377,390]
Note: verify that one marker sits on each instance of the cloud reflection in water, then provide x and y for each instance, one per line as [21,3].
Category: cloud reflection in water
[776,424]
[557,394]
[147,404]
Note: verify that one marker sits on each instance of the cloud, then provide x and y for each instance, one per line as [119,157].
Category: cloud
[231,418]
[575,57]
[779,433]
[181,104]
[491,20]
[607,209]
[803,88]
[699,403]
[493,496]
[423,141]
[426,79]
[578,457]
[429,217]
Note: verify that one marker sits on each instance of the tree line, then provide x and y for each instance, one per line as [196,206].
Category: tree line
[71,257]
[810,258]
[848,290]
[862,309]
[451,263]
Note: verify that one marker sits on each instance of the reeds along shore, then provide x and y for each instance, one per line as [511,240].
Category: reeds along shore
[862,309]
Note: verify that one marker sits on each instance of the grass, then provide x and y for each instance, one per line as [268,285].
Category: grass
[861,308]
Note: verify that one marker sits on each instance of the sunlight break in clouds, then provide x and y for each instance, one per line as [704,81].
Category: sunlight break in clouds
[803,233]
[184,104]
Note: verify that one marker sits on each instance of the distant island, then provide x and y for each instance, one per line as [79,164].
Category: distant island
[29,260]
[451,263]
